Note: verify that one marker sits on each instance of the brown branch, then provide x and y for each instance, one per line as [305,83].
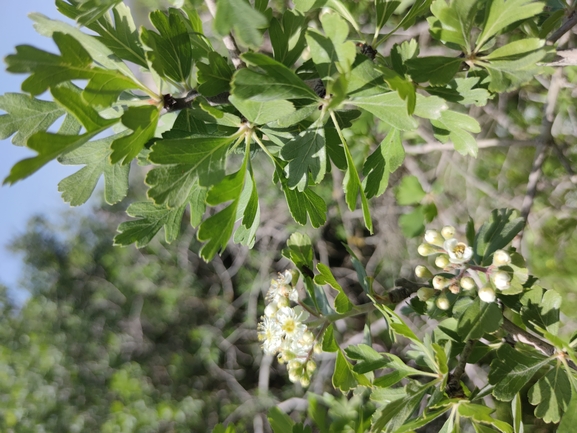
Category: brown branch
[453,388]
[228,40]
[569,23]
[483,144]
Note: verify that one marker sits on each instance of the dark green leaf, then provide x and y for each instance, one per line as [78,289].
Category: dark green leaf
[368,359]
[170,51]
[482,414]
[551,394]
[387,157]
[342,302]
[480,318]
[287,37]
[329,343]
[215,77]
[496,234]
[344,378]
[437,70]
[142,120]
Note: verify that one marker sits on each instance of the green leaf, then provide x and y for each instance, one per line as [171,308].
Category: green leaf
[270,81]
[512,370]
[239,16]
[331,53]
[307,5]
[185,160]
[303,204]
[496,234]
[397,412]
[463,91]
[384,9]
[87,11]
[344,378]
[305,154]
[386,158]
[249,212]
[99,52]
[453,21]
[437,70]
[151,218]
[570,419]
[48,70]
[551,394]
[142,120]
[480,318]
[409,191]
[482,414]
[368,359]
[280,421]
[260,113]
[26,116]
[502,13]
[389,107]
[69,97]
[457,126]
[342,302]
[217,229]
[543,312]
[77,188]
[170,51]
[287,37]
[329,343]
[215,77]
[300,252]
[120,36]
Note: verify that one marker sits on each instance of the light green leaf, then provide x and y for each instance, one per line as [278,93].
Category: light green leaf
[512,370]
[344,378]
[342,302]
[331,53]
[482,414]
[280,421]
[496,233]
[77,188]
[270,81]
[569,421]
[240,17]
[453,21]
[48,70]
[551,394]
[185,160]
[151,218]
[480,318]
[305,154]
[260,113]
[26,116]
[463,91]
[86,11]
[384,9]
[170,51]
[502,13]
[287,37]
[389,107]
[368,359]
[215,77]
[329,343]
[457,126]
[409,191]
[307,5]
[386,158]
[142,120]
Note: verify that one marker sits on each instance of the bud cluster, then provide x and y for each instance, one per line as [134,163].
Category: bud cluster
[283,333]
[453,255]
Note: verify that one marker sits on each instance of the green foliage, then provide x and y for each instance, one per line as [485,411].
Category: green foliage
[331,115]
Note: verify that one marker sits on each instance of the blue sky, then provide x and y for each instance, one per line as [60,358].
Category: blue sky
[38,193]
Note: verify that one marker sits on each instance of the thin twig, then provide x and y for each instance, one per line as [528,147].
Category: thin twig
[228,40]
[482,144]
[543,143]
[569,23]
[453,388]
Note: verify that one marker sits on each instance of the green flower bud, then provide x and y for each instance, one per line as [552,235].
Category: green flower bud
[487,294]
[426,250]
[448,232]
[440,282]
[305,381]
[442,302]
[501,258]
[433,237]
[442,261]
[467,283]
[425,293]
[422,272]
[311,366]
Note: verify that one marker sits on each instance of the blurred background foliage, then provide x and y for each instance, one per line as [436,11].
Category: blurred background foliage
[155,340]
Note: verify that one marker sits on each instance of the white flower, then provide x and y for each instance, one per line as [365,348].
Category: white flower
[280,290]
[487,294]
[502,280]
[290,321]
[270,333]
[459,252]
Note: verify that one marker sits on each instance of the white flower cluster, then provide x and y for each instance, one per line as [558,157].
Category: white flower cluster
[283,332]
